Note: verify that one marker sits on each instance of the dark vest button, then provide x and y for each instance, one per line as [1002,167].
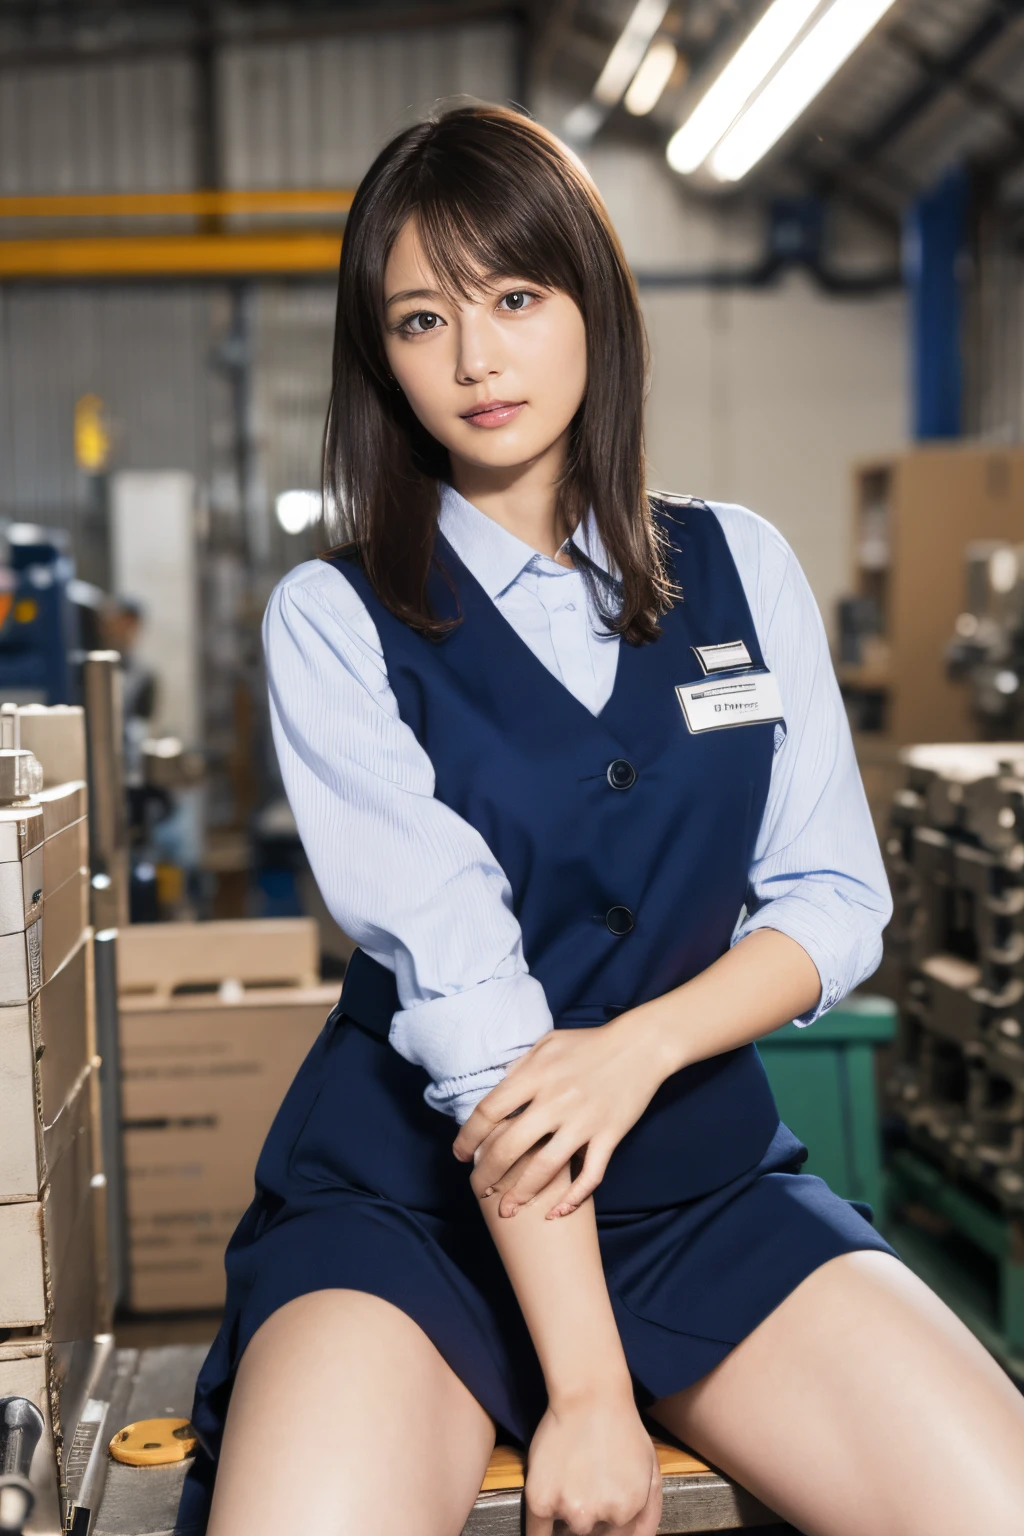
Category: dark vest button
[621,774]
[618,920]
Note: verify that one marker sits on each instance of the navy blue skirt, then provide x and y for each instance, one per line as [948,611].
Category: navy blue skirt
[687,1282]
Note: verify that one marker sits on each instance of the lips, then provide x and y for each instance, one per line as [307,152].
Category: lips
[493,413]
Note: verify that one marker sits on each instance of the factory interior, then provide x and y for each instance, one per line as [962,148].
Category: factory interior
[822,206]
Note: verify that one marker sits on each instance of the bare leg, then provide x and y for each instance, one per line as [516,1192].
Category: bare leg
[345,1420]
[862,1404]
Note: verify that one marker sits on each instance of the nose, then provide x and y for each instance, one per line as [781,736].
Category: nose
[479,348]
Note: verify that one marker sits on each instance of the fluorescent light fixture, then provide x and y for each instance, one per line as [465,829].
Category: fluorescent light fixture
[298,510]
[625,58]
[745,72]
[651,78]
[809,68]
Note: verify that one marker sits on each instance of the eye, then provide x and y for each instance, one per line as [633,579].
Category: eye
[427,321]
[518,300]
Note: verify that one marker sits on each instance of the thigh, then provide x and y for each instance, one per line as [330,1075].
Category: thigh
[344,1419]
[863,1404]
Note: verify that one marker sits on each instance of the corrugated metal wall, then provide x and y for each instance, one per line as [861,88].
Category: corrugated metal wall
[304,114]
[143,350]
[103,127]
[313,114]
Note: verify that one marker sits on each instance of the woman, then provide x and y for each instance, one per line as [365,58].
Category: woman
[545,737]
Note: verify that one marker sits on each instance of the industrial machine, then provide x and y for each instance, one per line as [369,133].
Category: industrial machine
[47,617]
[987,650]
[955,853]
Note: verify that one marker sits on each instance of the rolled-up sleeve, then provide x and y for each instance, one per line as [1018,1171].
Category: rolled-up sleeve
[817,872]
[402,874]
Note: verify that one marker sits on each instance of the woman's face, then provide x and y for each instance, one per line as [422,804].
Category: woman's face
[496,379]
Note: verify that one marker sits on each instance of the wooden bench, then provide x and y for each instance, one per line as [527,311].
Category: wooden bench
[142,1501]
[695,1497]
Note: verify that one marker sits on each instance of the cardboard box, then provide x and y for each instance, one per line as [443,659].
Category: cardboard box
[48,1277]
[64,854]
[153,959]
[28,960]
[215,1020]
[46,1044]
[201,1082]
[56,735]
[61,804]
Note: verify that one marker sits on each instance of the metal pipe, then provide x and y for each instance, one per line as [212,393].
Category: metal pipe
[109,1047]
[102,683]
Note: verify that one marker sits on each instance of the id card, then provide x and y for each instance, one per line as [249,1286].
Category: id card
[716,703]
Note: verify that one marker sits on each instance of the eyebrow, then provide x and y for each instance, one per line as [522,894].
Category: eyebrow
[413,293]
[487,280]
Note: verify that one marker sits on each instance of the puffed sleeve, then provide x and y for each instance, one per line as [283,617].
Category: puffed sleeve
[402,874]
[817,871]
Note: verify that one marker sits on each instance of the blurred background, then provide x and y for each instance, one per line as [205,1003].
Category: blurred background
[822,202]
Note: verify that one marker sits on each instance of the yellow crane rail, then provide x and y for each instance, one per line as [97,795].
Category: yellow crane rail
[210,251]
[120,205]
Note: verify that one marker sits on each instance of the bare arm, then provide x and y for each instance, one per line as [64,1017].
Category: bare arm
[591,1459]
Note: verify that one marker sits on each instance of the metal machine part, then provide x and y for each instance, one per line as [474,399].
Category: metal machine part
[987,649]
[955,855]
[21,1428]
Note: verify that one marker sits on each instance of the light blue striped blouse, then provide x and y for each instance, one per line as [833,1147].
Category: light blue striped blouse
[418,888]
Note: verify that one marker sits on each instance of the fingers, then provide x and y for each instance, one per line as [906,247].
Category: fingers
[538,1524]
[595,1164]
[538,1168]
[507,1144]
[494,1108]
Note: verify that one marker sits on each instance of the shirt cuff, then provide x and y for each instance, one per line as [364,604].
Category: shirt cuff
[494,1022]
[798,920]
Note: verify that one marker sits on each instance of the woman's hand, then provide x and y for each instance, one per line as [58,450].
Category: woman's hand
[593,1466]
[582,1089]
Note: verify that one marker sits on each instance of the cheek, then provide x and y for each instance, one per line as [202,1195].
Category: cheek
[419,371]
[562,362]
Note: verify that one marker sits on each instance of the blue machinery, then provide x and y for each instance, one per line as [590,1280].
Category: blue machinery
[40,619]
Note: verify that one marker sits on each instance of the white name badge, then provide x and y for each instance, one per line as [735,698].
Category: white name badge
[722,658]
[713,704]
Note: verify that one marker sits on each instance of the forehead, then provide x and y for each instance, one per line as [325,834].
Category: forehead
[456,272]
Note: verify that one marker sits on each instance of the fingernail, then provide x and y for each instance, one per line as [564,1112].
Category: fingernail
[488,1192]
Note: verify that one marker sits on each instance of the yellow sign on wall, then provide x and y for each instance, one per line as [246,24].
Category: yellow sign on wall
[92,438]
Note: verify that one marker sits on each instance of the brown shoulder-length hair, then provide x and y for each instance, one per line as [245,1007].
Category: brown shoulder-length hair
[493,193]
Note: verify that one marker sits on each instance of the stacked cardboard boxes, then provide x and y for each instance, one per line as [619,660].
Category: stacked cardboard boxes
[215,1019]
[52,1210]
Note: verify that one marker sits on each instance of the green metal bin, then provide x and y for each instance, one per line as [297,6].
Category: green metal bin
[823,1078]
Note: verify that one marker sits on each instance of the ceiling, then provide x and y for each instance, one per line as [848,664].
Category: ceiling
[939,80]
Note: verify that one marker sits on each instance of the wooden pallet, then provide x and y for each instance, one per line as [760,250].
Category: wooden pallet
[143,1501]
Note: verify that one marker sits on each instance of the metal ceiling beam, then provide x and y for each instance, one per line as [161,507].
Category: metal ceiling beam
[183,38]
[978,92]
[941,75]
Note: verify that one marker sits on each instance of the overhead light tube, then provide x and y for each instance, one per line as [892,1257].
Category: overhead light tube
[812,64]
[745,73]
[651,78]
[627,55]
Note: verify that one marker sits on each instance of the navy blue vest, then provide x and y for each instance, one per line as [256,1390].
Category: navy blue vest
[626,841]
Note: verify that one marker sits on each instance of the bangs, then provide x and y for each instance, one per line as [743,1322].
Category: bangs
[473,235]
[514,207]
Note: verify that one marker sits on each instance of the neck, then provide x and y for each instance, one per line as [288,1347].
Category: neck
[522,498]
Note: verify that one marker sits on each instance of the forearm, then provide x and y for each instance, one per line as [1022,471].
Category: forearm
[556,1272]
[761,983]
